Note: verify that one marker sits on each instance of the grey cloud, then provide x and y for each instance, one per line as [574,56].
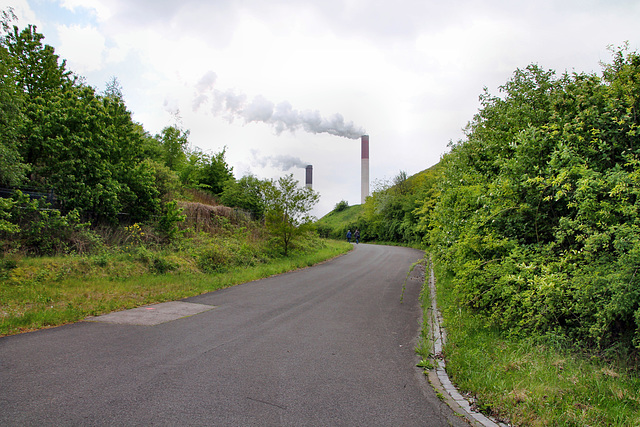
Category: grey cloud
[207,81]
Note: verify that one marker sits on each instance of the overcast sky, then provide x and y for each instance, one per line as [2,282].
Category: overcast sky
[277,82]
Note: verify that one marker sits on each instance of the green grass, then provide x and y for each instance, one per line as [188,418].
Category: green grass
[425,340]
[44,292]
[338,219]
[335,224]
[533,382]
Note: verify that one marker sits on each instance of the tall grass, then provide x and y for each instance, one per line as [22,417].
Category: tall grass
[533,381]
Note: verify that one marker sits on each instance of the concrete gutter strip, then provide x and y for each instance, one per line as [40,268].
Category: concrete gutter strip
[438,377]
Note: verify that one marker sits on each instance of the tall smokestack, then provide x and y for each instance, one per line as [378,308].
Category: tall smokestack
[309,180]
[364,169]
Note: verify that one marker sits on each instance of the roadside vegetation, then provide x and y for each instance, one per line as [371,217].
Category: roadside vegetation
[533,223]
[97,215]
[38,292]
[535,239]
[533,380]
[393,214]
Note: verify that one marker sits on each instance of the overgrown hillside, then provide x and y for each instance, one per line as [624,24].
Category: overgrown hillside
[538,215]
[535,214]
[335,224]
[397,211]
[96,214]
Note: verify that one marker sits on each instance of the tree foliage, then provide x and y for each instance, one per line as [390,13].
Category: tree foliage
[57,133]
[83,146]
[206,171]
[246,194]
[287,208]
[12,168]
[391,213]
[537,218]
[61,137]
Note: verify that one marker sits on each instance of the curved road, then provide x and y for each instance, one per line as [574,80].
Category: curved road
[327,345]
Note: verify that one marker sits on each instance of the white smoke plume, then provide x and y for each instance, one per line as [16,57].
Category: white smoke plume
[283,162]
[282,117]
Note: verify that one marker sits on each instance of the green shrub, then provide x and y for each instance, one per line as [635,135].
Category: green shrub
[161,265]
[341,205]
[538,219]
[40,230]
[168,223]
[101,260]
[214,258]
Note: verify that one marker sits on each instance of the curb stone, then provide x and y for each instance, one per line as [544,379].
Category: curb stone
[438,377]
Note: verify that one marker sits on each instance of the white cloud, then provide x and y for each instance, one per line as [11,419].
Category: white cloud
[97,7]
[83,45]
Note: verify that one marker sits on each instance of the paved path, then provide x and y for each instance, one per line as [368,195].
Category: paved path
[327,345]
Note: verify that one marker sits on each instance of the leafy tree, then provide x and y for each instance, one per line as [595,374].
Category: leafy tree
[37,67]
[400,184]
[174,142]
[287,208]
[84,146]
[246,193]
[166,181]
[209,172]
[12,168]
[114,89]
[88,149]
[216,172]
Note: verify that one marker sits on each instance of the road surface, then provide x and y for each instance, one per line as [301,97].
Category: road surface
[330,345]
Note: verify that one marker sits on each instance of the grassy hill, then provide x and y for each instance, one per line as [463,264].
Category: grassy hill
[388,213]
[335,224]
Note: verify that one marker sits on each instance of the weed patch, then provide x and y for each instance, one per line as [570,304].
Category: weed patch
[533,380]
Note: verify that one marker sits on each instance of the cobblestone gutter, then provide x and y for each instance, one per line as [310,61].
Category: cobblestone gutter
[438,376]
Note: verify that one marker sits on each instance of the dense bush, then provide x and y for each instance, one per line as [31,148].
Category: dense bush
[395,210]
[32,227]
[59,134]
[341,205]
[538,216]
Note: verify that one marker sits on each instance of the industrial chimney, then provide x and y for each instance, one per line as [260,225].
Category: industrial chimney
[309,180]
[364,169]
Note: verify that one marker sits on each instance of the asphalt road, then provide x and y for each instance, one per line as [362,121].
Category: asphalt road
[327,345]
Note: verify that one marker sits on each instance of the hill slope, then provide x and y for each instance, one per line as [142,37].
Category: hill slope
[335,224]
[388,214]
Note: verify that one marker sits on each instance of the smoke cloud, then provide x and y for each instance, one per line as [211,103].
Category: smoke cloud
[282,117]
[284,162]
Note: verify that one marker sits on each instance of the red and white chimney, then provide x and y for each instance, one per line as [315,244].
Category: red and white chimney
[309,177]
[364,169]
